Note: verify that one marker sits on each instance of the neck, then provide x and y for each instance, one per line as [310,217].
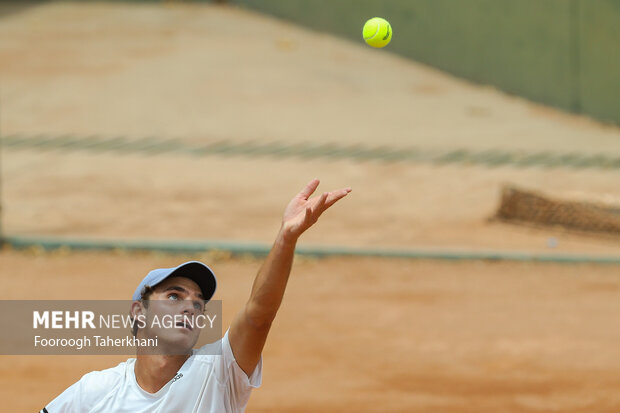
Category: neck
[154,371]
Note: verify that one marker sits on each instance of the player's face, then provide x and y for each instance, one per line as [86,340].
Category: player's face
[180,297]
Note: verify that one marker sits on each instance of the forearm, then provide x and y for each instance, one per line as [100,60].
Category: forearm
[270,282]
[250,327]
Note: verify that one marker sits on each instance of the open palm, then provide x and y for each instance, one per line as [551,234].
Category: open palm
[302,212]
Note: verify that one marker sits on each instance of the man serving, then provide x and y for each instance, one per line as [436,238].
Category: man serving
[179,379]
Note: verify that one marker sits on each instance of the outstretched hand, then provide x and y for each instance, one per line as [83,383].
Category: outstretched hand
[302,212]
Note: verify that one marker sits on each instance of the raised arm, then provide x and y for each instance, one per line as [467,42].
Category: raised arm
[250,327]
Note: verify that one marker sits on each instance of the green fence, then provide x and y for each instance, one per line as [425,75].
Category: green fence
[599,46]
[565,53]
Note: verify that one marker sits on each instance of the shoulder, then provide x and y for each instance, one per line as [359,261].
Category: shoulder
[96,384]
[211,349]
[90,389]
[225,364]
[107,376]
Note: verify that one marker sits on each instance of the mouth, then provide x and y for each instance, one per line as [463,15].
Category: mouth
[184,325]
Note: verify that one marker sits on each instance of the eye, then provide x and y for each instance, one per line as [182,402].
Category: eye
[198,305]
[173,296]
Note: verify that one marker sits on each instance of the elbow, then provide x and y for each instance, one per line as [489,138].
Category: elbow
[259,317]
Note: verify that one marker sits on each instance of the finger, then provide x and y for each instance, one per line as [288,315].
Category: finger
[319,207]
[314,209]
[335,196]
[308,217]
[309,189]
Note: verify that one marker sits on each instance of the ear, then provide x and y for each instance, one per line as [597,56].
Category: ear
[137,308]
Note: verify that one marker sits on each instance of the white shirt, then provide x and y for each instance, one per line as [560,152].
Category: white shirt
[205,383]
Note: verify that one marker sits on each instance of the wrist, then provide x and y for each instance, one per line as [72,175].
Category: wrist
[286,237]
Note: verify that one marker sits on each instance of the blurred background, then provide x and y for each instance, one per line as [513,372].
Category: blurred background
[474,266]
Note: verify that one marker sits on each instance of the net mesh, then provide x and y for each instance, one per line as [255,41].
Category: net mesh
[528,207]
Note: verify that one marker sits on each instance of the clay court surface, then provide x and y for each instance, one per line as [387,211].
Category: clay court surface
[375,335]
[354,334]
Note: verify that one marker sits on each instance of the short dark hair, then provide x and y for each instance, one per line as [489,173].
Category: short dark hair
[145,294]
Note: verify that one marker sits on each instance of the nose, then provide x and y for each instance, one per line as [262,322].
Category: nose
[187,307]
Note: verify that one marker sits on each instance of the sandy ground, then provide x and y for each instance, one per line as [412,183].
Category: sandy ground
[202,73]
[367,335]
[393,205]
[199,72]
[376,335]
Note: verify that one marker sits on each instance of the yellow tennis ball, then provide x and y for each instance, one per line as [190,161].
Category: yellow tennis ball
[377,32]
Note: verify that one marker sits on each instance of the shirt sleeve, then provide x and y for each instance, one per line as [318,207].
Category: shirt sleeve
[236,374]
[237,384]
